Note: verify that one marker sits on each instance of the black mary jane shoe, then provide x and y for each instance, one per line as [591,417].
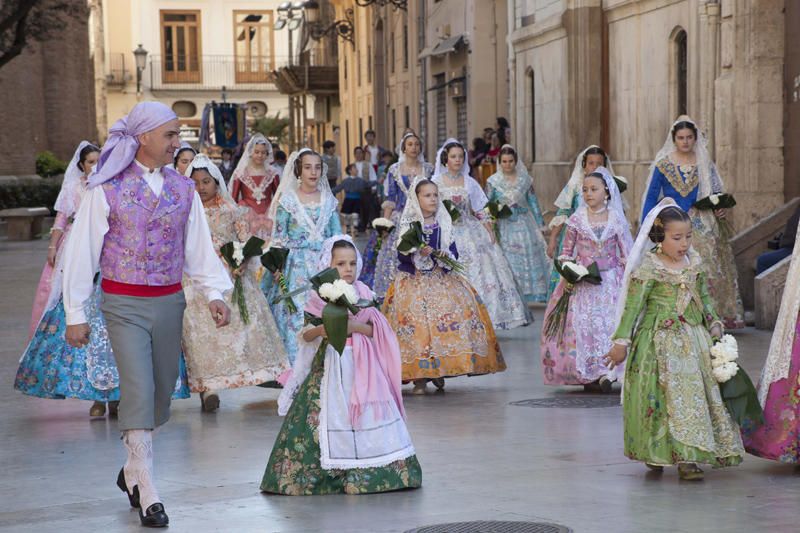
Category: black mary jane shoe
[155,516]
[132,498]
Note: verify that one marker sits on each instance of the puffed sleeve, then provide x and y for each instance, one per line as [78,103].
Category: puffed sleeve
[638,291]
[654,192]
[280,230]
[477,198]
[568,248]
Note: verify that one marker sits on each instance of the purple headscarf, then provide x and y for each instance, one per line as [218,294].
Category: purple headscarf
[120,148]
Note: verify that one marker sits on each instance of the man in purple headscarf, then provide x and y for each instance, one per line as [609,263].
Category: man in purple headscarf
[142,225]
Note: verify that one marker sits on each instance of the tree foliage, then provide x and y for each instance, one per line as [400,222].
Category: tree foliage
[274,128]
[23,22]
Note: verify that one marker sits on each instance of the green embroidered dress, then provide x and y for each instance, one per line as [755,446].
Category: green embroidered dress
[295,465]
[673,410]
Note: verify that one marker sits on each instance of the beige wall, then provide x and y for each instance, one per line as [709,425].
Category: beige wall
[735,87]
[128,23]
[484,61]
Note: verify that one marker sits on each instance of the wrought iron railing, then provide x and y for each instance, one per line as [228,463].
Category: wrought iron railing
[118,73]
[210,72]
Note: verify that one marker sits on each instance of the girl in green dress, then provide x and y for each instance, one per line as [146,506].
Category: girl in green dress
[345,429]
[672,407]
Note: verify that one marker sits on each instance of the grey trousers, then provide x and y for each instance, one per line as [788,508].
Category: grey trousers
[145,336]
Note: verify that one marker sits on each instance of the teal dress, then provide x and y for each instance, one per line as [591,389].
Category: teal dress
[521,235]
[302,229]
[52,369]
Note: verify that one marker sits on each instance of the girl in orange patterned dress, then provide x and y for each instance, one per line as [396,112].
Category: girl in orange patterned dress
[443,329]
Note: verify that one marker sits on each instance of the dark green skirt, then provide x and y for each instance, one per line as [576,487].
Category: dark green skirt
[294,464]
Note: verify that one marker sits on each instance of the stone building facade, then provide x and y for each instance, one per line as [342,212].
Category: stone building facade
[437,67]
[618,72]
[48,100]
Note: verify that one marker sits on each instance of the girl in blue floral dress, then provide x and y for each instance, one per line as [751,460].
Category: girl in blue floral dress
[304,215]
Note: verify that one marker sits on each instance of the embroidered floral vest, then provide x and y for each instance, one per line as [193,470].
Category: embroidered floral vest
[145,240]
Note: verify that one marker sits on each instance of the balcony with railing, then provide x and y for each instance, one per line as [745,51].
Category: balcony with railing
[210,73]
[314,72]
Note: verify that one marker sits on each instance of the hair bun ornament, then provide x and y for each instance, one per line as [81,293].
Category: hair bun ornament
[657,223]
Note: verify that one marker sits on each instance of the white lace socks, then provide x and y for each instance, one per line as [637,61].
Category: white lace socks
[139,466]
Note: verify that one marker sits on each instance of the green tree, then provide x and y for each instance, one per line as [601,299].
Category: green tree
[275,128]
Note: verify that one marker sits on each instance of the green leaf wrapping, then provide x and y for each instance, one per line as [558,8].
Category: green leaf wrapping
[334,320]
[329,275]
[452,210]
[621,185]
[275,259]
[726,201]
[253,247]
[412,240]
[741,399]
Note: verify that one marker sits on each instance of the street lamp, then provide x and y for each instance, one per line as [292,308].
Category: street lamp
[291,15]
[140,54]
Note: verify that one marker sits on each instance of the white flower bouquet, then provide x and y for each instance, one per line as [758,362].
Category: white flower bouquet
[737,390]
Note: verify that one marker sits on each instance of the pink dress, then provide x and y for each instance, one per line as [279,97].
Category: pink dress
[576,358]
[64,223]
[779,438]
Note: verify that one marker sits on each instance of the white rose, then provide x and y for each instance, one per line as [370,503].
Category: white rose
[579,270]
[238,252]
[714,199]
[344,288]
[725,372]
[623,179]
[328,292]
[382,223]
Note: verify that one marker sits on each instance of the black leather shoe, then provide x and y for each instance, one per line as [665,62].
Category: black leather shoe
[132,498]
[155,516]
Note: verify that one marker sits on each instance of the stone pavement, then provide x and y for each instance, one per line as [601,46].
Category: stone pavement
[482,457]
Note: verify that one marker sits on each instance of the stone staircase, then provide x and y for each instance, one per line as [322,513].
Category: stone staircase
[762,294]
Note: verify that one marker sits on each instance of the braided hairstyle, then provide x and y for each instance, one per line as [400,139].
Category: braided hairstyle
[667,215]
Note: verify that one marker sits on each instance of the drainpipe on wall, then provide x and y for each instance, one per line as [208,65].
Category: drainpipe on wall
[423,76]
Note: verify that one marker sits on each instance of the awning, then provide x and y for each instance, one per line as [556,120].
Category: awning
[447,46]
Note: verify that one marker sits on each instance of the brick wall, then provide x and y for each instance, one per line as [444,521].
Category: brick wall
[47,100]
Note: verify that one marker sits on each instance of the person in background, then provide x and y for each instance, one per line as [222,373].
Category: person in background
[369,203]
[333,161]
[354,187]
[503,129]
[280,161]
[373,150]
[387,160]
[226,167]
[477,154]
[786,240]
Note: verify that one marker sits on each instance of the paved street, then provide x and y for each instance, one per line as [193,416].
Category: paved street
[483,458]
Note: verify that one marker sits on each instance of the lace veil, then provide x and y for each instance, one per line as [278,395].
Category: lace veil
[709,181]
[71,186]
[325,254]
[779,356]
[441,169]
[413,213]
[203,161]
